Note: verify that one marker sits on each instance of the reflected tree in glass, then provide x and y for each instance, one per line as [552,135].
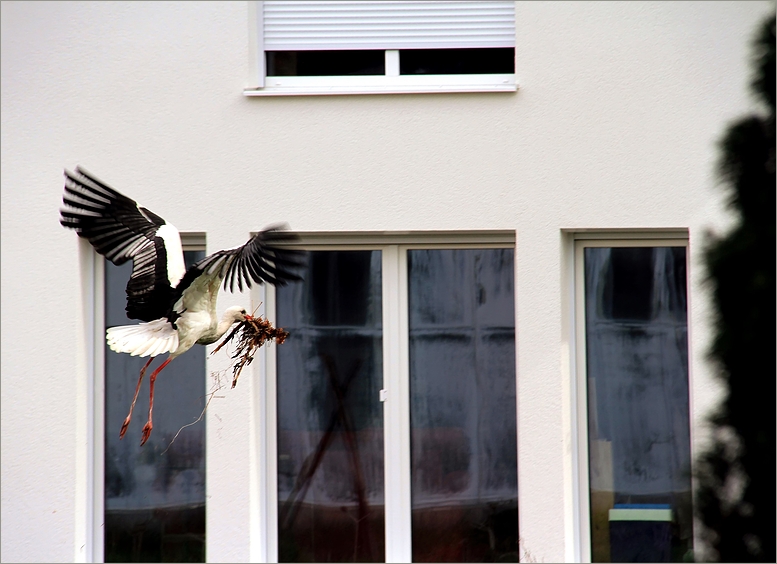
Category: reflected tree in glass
[462,404]
[636,332]
[155,494]
[330,419]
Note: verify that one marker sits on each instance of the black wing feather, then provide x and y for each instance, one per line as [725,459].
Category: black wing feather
[262,252]
[264,258]
[119,230]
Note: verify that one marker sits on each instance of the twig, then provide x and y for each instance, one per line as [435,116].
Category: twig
[211,395]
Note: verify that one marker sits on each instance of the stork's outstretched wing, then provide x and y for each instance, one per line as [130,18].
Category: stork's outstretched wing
[264,258]
[121,230]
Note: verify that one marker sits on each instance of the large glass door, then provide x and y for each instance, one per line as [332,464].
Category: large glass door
[417,342]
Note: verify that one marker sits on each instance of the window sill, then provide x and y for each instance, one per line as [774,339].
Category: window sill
[380,84]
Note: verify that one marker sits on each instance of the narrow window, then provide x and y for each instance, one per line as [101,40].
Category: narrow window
[154,494]
[462,405]
[330,419]
[636,335]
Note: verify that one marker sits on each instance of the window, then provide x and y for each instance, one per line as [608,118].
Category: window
[391,412]
[633,397]
[352,47]
[154,496]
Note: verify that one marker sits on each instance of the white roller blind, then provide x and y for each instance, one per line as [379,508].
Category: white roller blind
[298,25]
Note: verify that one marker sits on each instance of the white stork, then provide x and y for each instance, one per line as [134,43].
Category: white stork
[177,306]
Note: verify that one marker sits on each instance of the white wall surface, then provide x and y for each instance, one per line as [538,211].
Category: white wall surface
[614,126]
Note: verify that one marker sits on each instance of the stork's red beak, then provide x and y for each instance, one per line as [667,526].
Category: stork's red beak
[249,317]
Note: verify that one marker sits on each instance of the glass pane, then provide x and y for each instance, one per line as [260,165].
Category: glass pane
[457,61]
[325,63]
[638,425]
[154,494]
[462,405]
[330,419]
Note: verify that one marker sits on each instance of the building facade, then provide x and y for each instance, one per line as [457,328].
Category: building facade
[503,327]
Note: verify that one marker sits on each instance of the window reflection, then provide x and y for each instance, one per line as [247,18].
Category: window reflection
[330,420]
[463,419]
[638,419]
[155,494]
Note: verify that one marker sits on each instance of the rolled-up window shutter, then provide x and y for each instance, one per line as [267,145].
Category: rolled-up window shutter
[297,25]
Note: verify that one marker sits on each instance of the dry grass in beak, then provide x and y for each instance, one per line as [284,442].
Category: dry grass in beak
[252,334]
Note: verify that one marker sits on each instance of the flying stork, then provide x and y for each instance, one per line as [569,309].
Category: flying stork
[177,307]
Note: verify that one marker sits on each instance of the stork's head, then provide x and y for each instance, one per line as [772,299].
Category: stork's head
[237,314]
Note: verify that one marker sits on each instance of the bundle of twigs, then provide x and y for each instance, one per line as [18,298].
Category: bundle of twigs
[252,334]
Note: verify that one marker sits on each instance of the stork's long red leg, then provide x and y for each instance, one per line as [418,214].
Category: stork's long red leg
[137,389]
[148,426]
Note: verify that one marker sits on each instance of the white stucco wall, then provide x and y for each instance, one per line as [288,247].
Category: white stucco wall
[614,126]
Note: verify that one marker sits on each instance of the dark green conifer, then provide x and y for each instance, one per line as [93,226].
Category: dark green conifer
[736,475]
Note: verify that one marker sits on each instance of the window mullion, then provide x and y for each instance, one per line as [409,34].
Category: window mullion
[97,417]
[397,405]
[264,483]
[581,413]
[392,62]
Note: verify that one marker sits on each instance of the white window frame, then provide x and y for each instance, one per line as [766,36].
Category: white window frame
[94,269]
[396,383]
[391,83]
[579,403]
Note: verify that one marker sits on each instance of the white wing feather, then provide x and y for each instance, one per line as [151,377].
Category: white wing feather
[145,339]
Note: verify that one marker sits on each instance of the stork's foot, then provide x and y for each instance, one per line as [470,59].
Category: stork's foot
[146,433]
[124,427]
